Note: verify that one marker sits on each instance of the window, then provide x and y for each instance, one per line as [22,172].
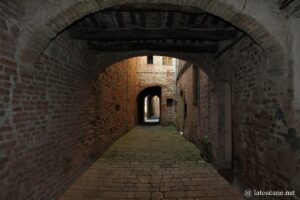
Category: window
[195,85]
[167,60]
[170,102]
[149,59]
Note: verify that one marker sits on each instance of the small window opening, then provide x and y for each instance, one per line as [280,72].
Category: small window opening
[181,93]
[149,59]
[170,102]
[167,60]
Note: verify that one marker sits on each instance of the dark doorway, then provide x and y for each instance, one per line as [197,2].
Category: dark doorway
[149,106]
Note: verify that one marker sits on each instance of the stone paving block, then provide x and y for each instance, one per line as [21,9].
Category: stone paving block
[175,194]
[126,171]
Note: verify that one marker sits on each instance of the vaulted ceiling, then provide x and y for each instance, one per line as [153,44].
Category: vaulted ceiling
[155,28]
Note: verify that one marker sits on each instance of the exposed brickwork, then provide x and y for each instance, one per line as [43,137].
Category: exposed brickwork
[116,106]
[195,125]
[62,119]
[262,156]
[50,102]
[9,15]
[260,138]
[191,118]
[157,74]
[132,93]
[9,32]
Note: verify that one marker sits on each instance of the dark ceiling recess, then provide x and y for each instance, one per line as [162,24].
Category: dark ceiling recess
[284,3]
[155,28]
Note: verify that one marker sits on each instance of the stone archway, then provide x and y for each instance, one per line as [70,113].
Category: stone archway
[38,31]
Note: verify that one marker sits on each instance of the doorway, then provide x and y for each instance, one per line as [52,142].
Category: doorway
[149,106]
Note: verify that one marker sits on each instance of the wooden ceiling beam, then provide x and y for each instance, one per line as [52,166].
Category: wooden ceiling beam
[94,21]
[147,46]
[132,18]
[100,21]
[170,19]
[119,19]
[142,19]
[216,34]
[192,19]
[155,8]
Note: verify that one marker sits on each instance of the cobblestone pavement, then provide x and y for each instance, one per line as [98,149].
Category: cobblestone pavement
[151,163]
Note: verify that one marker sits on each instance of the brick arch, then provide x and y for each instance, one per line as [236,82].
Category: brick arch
[191,58]
[38,32]
[149,86]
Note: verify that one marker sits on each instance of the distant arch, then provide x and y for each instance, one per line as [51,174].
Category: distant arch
[148,92]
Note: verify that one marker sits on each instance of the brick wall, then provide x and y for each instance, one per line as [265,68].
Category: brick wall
[51,125]
[264,156]
[265,150]
[195,125]
[58,118]
[9,32]
[189,117]
[157,74]
[116,98]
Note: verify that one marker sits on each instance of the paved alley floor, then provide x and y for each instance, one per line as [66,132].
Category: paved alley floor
[151,162]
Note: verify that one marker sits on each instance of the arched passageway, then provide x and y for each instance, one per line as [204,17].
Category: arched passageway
[148,110]
[55,120]
[44,29]
[155,101]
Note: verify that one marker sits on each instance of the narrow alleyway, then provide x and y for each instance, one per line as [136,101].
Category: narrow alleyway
[151,163]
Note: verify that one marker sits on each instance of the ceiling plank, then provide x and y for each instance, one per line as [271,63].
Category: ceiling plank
[147,46]
[159,18]
[132,18]
[155,8]
[100,21]
[142,18]
[203,21]
[216,34]
[94,21]
[169,21]
[119,19]
[192,19]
